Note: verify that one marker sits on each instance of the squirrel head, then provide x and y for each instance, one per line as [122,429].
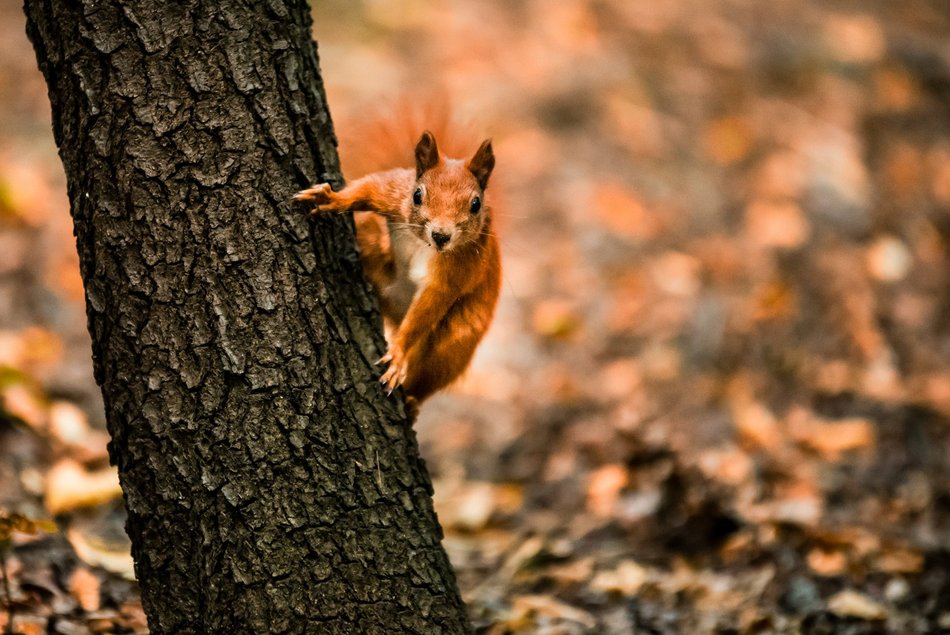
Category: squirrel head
[447,204]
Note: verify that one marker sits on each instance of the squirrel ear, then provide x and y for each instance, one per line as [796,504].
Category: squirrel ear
[482,163]
[427,153]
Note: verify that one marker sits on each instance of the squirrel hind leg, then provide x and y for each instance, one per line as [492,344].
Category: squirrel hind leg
[440,366]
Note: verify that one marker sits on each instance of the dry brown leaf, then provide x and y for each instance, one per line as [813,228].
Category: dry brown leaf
[781,176]
[888,259]
[96,553]
[550,607]
[850,603]
[68,424]
[728,464]
[940,181]
[622,213]
[855,38]
[904,170]
[827,563]
[85,587]
[474,505]
[29,347]
[28,624]
[895,89]
[104,622]
[69,486]
[24,403]
[18,523]
[604,489]
[677,274]
[525,552]
[727,140]
[776,223]
[627,579]
[573,572]
[756,424]
[555,318]
[63,274]
[831,438]
[799,508]
[620,379]
[133,616]
[774,300]
[900,560]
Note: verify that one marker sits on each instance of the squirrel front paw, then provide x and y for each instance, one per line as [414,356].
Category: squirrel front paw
[395,374]
[322,197]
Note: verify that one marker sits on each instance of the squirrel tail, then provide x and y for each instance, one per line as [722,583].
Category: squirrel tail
[386,138]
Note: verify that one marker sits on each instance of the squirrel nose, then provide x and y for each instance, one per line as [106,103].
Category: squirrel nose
[440,239]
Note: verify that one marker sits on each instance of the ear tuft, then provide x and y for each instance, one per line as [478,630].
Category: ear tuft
[482,163]
[427,153]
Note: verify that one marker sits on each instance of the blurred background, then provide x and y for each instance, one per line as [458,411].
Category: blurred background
[716,396]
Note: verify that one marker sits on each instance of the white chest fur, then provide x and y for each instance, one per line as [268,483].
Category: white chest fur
[419,263]
[413,257]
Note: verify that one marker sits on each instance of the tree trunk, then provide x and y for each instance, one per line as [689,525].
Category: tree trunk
[271,484]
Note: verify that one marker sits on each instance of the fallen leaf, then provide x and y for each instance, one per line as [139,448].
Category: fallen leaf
[756,424]
[550,607]
[24,403]
[904,170]
[831,438]
[802,509]
[855,38]
[627,579]
[604,489]
[896,589]
[850,603]
[133,616]
[728,464]
[69,486]
[677,273]
[573,572]
[620,379]
[776,223]
[827,563]
[68,423]
[774,300]
[28,624]
[18,523]
[95,552]
[900,560]
[475,504]
[888,259]
[727,140]
[555,318]
[895,88]
[85,587]
[622,213]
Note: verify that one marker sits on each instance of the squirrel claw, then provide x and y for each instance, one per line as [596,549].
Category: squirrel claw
[319,194]
[395,375]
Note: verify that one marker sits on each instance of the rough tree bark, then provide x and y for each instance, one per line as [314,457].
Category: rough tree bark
[271,485]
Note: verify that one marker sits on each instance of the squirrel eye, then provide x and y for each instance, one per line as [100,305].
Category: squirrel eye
[476,205]
[417,196]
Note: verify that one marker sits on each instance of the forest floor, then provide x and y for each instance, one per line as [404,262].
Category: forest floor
[716,396]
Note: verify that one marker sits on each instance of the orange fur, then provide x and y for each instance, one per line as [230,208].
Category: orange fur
[428,249]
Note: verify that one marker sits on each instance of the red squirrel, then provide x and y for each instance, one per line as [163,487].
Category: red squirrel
[428,249]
